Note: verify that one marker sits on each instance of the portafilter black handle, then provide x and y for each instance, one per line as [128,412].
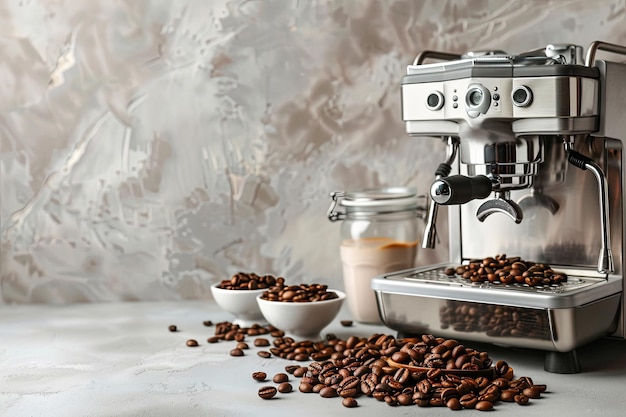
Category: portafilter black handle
[459,189]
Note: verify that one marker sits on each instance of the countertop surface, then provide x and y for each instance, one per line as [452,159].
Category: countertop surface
[120,359]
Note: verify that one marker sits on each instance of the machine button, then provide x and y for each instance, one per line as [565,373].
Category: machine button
[522,96]
[434,101]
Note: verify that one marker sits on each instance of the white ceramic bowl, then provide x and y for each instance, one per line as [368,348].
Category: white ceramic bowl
[302,321]
[240,303]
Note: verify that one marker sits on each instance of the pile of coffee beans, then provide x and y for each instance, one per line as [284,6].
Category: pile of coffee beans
[360,367]
[426,371]
[299,293]
[251,281]
[508,271]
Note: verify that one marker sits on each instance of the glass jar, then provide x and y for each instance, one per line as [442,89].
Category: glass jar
[379,234]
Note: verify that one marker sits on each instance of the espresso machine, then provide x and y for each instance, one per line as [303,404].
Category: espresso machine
[534,169]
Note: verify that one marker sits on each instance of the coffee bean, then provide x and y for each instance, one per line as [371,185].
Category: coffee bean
[349,402]
[521,399]
[261,342]
[173,328]
[484,406]
[305,387]
[242,346]
[236,352]
[454,404]
[284,387]
[264,354]
[259,376]
[532,392]
[328,392]
[346,323]
[280,377]
[300,371]
[213,339]
[207,323]
[192,343]
[267,392]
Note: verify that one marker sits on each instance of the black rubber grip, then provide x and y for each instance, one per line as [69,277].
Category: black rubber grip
[578,160]
[459,189]
[443,170]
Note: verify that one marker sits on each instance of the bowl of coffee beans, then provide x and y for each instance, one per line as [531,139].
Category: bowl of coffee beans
[301,311]
[238,295]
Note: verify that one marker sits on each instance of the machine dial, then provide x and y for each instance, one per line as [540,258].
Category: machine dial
[477,100]
[434,101]
[522,96]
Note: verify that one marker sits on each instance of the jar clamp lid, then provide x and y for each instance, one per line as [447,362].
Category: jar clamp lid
[373,201]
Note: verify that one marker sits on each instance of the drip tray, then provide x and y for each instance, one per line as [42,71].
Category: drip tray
[557,317]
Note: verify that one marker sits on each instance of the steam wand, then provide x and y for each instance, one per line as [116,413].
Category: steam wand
[443,170]
[605,259]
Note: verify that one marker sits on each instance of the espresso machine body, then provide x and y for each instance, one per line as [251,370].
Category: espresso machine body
[534,170]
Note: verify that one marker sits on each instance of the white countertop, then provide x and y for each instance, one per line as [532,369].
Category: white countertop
[119,359]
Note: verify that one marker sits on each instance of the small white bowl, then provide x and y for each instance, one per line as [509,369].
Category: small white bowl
[302,321]
[240,303]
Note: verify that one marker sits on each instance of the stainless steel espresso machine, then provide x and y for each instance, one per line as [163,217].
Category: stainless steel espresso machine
[534,171]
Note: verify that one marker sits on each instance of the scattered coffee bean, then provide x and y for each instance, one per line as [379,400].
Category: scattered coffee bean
[290,369]
[521,399]
[261,342]
[280,377]
[207,323]
[213,339]
[267,392]
[236,352]
[484,406]
[284,387]
[173,328]
[259,376]
[346,323]
[192,343]
[349,402]
[242,346]
[264,354]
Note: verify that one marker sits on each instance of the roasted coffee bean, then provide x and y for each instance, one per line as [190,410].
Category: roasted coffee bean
[328,392]
[468,401]
[267,392]
[302,370]
[508,395]
[259,376]
[454,404]
[484,406]
[236,352]
[346,323]
[305,387]
[192,343]
[261,342]
[290,369]
[207,323]
[521,399]
[213,339]
[173,328]
[280,377]
[264,354]
[532,392]
[284,387]
[349,402]
[242,346]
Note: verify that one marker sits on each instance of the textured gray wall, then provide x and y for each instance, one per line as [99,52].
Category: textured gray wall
[150,148]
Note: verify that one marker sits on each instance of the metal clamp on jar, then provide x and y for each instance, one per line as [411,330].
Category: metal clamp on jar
[379,234]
